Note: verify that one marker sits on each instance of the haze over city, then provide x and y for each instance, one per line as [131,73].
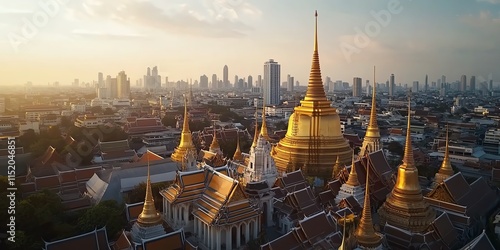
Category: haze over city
[186,39]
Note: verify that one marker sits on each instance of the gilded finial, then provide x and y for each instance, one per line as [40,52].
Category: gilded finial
[343,244]
[372,125]
[149,214]
[256,134]
[263,130]
[185,124]
[215,144]
[446,168]
[336,168]
[353,175]
[186,143]
[237,156]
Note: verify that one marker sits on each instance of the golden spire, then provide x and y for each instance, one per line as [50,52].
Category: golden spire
[365,233]
[336,168]
[343,244]
[214,146]
[263,130]
[186,142]
[256,134]
[315,89]
[373,130]
[237,154]
[149,215]
[353,176]
[408,160]
[446,168]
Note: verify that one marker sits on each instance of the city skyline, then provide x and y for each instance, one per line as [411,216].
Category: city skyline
[462,39]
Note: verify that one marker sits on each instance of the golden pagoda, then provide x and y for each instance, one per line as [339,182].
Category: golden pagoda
[263,130]
[365,232]
[371,142]
[186,145]
[313,139]
[149,216]
[445,171]
[353,175]
[405,206]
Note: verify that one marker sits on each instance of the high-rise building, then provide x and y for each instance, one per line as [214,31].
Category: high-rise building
[214,81]
[356,86]
[415,86]
[250,82]
[123,84]
[272,73]
[204,82]
[152,80]
[463,83]
[100,80]
[236,80]
[473,84]
[392,85]
[426,86]
[225,76]
[259,81]
[112,87]
[289,83]
[490,86]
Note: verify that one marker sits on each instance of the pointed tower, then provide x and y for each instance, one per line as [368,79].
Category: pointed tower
[185,153]
[256,133]
[313,138]
[261,165]
[446,170]
[365,233]
[371,142]
[214,146]
[336,168]
[351,187]
[237,156]
[149,223]
[263,130]
[344,242]
[405,206]
[190,96]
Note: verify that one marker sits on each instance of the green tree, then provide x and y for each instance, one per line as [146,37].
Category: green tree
[96,110]
[107,213]
[108,111]
[116,133]
[66,122]
[169,120]
[27,139]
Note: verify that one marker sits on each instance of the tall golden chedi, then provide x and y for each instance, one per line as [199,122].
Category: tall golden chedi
[405,206]
[313,139]
[371,142]
[445,171]
[185,153]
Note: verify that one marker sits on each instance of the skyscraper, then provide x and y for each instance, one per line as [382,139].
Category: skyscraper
[111,87]
[463,83]
[100,80]
[204,82]
[490,86]
[473,84]
[259,81]
[250,82]
[289,83]
[235,80]
[415,86]
[356,86]
[392,85]
[123,84]
[272,73]
[426,86]
[214,81]
[225,76]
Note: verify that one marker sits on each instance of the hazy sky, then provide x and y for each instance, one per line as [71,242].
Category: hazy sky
[189,38]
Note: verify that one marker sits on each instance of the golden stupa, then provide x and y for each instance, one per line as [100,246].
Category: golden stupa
[445,171]
[405,206]
[313,139]
[186,145]
[149,216]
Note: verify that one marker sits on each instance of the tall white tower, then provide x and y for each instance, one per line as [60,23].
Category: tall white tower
[272,80]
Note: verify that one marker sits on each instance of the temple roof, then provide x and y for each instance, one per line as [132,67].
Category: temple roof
[174,240]
[121,145]
[149,156]
[481,242]
[96,239]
